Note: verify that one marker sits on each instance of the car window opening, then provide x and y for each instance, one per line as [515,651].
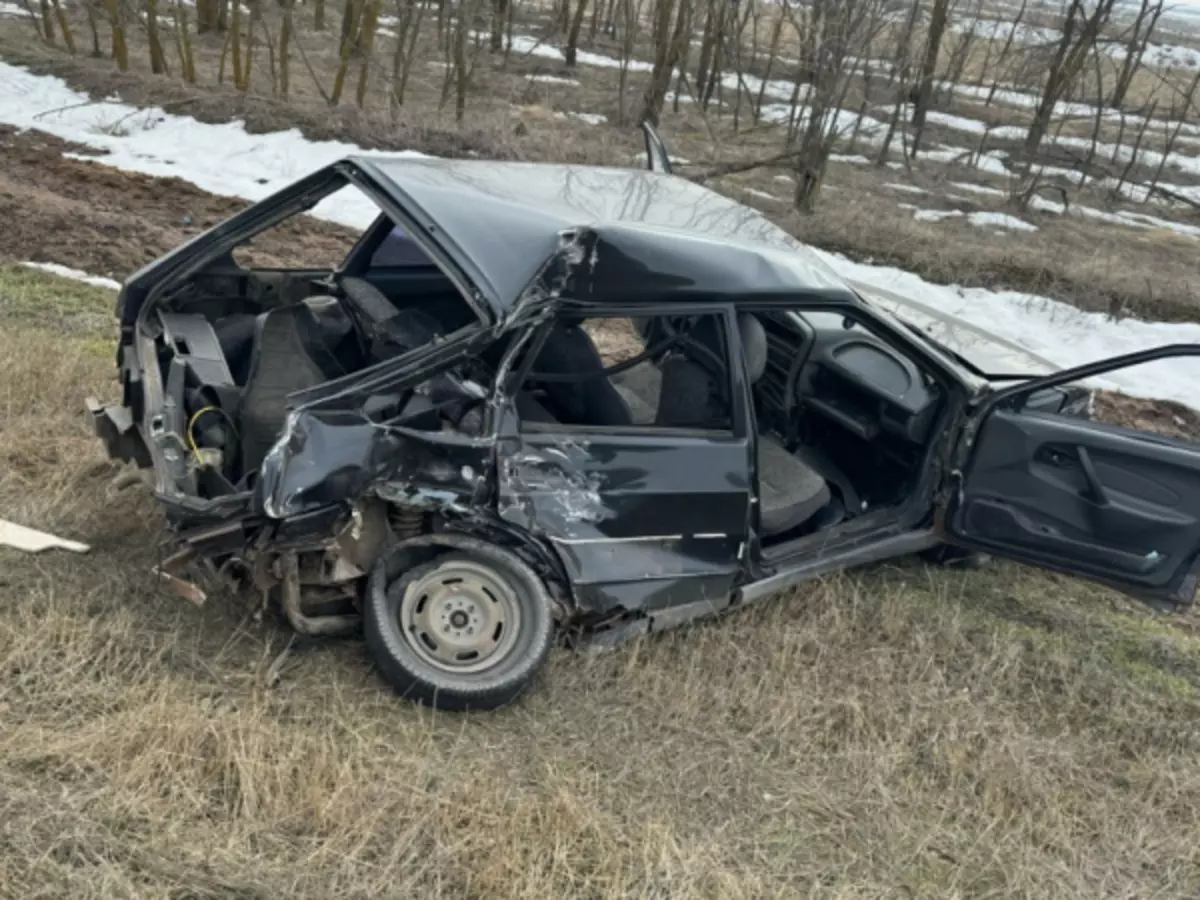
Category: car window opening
[292,307]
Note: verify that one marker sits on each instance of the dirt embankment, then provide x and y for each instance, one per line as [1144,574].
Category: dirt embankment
[108,222]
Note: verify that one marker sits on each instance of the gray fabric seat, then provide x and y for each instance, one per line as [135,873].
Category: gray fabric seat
[789,492]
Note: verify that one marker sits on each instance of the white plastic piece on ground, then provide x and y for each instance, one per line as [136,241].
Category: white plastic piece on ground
[74,275]
[30,540]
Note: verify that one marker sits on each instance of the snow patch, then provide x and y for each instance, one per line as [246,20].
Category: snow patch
[1057,332]
[979,188]
[936,215]
[74,275]
[998,220]
[553,79]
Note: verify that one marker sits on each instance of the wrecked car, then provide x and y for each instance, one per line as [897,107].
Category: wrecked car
[543,399]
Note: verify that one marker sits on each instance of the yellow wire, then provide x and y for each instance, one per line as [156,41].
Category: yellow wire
[192,422]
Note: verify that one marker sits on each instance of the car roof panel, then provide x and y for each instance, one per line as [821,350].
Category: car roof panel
[659,231]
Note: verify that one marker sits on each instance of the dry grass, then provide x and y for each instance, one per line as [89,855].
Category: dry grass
[903,732]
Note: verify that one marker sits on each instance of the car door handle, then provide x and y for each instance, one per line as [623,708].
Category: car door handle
[1095,488]
[1078,459]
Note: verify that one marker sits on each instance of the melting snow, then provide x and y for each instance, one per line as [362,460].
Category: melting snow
[979,188]
[936,215]
[998,220]
[553,79]
[1058,332]
[224,159]
[74,274]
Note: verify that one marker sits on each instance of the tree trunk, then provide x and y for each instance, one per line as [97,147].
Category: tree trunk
[183,41]
[350,23]
[499,15]
[367,43]
[318,15]
[1135,49]
[933,46]
[116,20]
[64,27]
[208,16]
[251,40]
[285,47]
[158,59]
[667,54]
[402,59]
[47,21]
[89,6]
[235,43]
[1079,34]
[573,36]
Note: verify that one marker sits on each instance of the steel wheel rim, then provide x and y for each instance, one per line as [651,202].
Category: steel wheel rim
[462,618]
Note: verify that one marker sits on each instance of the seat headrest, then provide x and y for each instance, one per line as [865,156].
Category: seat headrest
[754,345]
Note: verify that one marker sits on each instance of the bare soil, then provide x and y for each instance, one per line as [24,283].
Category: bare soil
[108,222]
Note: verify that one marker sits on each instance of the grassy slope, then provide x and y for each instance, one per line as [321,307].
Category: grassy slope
[903,732]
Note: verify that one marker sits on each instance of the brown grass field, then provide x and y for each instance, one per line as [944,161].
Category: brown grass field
[901,732]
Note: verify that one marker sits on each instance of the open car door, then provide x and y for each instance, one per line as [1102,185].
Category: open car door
[1104,502]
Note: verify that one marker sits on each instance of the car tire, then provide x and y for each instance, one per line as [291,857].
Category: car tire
[467,630]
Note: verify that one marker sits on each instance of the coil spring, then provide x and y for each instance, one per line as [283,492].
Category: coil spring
[406,521]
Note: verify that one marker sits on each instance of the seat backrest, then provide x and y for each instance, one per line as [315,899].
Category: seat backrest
[281,363]
[590,398]
[688,397]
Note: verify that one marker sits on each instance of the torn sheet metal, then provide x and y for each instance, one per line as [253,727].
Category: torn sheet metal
[33,541]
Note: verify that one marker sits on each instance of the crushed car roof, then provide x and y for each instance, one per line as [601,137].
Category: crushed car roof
[657,236]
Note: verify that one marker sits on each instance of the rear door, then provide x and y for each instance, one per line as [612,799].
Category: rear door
[642,515]
[1114,504]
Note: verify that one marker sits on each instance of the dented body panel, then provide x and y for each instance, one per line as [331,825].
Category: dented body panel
[635,519]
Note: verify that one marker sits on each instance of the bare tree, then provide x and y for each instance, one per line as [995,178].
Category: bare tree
[367,43]
[500,14]
[116,21]
[629,17]
[1080,31]
[572,48]
[668,49]
[408,29]
[837,33]
[208,16]
[64,27]
[938,18]
[1135,49]
[158,58]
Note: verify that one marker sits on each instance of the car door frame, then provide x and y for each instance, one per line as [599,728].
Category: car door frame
[607,574]
[1179,588]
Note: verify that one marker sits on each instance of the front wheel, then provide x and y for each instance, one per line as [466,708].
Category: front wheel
[460,632]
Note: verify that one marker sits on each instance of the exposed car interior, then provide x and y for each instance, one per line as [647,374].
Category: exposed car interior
[843,419]
[234,342]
